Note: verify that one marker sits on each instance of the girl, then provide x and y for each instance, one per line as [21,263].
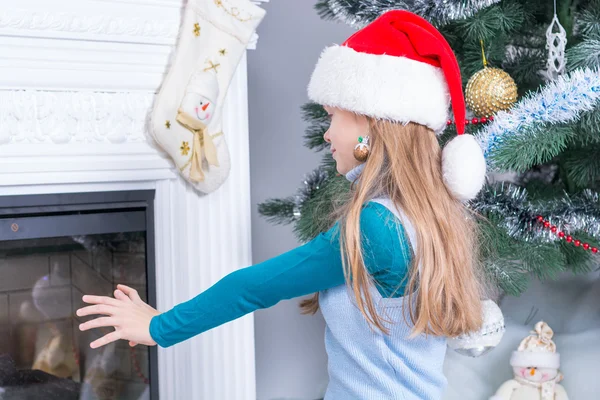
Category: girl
[398,272]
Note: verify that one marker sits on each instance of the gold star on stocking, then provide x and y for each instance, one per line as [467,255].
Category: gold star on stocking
[185,148]
[222,52]
[168,124]
[197,29]
[212,66]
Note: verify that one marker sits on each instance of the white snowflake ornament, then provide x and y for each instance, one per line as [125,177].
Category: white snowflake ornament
[556,43]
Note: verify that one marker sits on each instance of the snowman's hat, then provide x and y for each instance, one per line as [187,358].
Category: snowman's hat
[204,83]
[537,350]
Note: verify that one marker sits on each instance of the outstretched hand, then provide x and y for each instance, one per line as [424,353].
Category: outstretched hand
[127,313]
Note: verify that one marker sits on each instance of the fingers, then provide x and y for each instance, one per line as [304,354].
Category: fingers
[100,300]
[119,295]
[98,323]
[106,339]
[99,309]
[131,292]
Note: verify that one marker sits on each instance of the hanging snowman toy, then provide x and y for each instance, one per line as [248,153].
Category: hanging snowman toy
[535,366]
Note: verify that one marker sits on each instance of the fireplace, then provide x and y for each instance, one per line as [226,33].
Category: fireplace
[53,249]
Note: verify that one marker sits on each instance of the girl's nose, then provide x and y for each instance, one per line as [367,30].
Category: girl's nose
[326,136]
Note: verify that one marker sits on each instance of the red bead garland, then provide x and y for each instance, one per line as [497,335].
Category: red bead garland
[473,121]
[563,235]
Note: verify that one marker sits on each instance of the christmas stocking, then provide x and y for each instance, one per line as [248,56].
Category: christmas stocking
[186,119]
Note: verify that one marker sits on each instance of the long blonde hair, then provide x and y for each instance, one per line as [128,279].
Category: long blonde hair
[405,164]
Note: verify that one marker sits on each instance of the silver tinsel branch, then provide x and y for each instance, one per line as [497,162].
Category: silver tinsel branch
[519,215]
[311,184]
[510,202]
[562,100]
[573,213]
[357,13]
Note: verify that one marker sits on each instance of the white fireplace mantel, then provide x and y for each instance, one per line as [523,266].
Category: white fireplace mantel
[77,81]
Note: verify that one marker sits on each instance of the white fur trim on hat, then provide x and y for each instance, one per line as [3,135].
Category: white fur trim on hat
[536,359]
[463,167]
[381,86]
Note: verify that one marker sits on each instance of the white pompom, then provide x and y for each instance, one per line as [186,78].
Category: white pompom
[463,167]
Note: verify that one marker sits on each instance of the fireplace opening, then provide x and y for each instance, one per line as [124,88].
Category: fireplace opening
[53,249]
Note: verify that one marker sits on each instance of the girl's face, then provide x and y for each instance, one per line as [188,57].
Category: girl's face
[343,133]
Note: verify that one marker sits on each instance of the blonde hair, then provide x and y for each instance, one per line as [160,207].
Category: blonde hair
[405,164]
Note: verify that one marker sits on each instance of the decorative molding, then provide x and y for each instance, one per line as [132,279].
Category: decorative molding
[155,30]
[161,3]
[148,22]
[75,65]
[30,116]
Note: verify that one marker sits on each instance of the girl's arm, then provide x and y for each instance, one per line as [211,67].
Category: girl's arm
[307,269]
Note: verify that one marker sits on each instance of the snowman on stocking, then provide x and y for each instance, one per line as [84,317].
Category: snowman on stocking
[195,114]
[535,367]
[186,119]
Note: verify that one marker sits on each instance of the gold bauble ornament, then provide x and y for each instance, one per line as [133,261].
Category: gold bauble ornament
[361,153]
[362,149]
[490,90]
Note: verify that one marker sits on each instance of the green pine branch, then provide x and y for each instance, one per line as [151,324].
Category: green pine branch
[583,166]
[524,65]
[588,127]
[317,212]
[500,266]
[543,260]
[576,259]
[318,123]
[507,276]
[491,23]
[278,211]
[585,54]
[588,21]
[533,146]
[324,11]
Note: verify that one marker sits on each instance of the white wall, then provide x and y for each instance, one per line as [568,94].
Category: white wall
[290,355]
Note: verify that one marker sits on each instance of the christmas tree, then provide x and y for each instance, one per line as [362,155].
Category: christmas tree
[535,66]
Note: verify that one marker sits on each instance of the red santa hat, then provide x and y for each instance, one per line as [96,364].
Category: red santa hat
[400,68]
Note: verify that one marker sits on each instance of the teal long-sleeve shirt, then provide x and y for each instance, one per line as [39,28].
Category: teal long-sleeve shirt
[307,269]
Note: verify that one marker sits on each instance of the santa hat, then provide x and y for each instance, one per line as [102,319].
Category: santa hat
[537,350]
[400,68]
